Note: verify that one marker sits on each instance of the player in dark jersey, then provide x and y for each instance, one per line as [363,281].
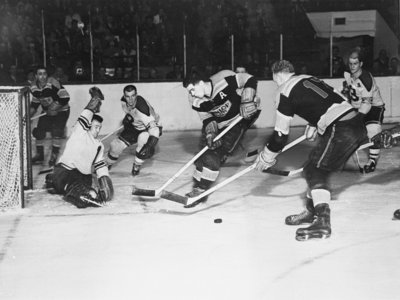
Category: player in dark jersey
[54,98]
[72,175]
[340,129]
[141,125]
[363,93]
[218,103]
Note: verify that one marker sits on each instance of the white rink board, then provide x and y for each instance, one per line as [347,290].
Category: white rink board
[170,100]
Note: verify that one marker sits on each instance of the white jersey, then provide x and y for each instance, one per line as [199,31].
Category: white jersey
[143,114]
[365,86]
[82,150]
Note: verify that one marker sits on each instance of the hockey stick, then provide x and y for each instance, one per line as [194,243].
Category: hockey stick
[297,171]
[38,116]
[102,139]
[85,199]
[111,133]
[155,193]
[190,200]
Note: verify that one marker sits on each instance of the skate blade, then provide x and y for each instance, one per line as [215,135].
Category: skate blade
[306,237]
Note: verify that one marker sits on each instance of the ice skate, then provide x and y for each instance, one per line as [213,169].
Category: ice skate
[135,169]
[38,158]
[370,166]
[305,217]
[194,193]
[321,226]
[53,159]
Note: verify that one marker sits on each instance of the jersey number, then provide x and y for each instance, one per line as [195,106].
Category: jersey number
[315,88]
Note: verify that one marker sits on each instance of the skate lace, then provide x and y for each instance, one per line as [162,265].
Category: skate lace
[300,216]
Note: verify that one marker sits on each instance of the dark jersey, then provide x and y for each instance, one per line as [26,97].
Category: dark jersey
[52,92]
[223,105]
[311,99]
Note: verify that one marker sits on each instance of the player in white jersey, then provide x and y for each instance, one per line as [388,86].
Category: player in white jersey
[363,93]
[141,125]
[72,175]
[219,100]
[340,130]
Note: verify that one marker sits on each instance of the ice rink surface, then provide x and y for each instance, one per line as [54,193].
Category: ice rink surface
[137,248]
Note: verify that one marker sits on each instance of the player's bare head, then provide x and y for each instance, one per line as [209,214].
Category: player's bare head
[194,84]
[356,59]
[41,73]
[282,66]
[97,121]
[130,94]
[282,70]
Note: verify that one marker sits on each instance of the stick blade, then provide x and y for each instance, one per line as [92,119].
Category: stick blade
[143,192]
[174,197]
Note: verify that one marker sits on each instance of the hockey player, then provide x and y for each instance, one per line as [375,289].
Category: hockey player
[53,97]
[363,93]
[141,125]
[340,129]
[72,175]
[218,104]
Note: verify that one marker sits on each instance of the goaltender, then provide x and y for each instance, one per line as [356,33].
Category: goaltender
[72,176]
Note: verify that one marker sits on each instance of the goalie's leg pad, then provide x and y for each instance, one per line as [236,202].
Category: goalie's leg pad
[76,189]
[106,189]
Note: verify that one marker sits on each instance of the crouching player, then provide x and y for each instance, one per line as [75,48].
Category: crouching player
[72,175]
[363,93]
[218,103]
[141,126]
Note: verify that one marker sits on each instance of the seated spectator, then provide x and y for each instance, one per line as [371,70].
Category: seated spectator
[394,66]
[13,77]
[241,69]
[60,75]
[381,64]
[79,72]
[338,66]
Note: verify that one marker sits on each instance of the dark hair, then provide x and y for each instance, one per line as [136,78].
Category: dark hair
[130,88]
[282,66]
[40,67]
[357,53]
[97,118]
[192,78]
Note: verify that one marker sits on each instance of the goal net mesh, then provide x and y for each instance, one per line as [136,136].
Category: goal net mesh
[13,147]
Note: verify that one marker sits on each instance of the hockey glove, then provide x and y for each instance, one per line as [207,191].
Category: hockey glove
[310,133]
[248,106]
[266,159]
[211,131]
[148,149]
[95,92]
[106,190]
[128,120]
[53,108]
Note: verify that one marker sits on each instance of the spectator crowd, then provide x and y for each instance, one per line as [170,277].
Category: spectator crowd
[144,33]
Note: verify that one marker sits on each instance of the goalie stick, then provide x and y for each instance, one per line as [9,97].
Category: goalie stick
[101,140]
[155,193]
[189,200]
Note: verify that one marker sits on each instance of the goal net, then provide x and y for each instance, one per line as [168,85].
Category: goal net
[15,147]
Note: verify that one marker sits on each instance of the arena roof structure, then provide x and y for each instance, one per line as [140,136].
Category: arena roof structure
[347,24]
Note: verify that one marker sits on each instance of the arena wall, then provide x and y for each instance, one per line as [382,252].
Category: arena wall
[170,100]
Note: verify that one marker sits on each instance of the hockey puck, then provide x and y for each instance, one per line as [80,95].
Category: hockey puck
[217,220]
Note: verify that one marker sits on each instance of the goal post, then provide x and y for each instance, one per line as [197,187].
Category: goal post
[15,146]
